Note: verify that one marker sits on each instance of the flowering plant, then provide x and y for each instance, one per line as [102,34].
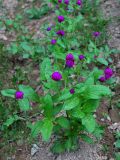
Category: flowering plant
[72,87]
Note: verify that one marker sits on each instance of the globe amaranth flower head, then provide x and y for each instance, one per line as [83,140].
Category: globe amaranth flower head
[53,41]
[49,28]
[60,19]
[102,79]
[19,95]
[81,57]
[96,34]
[56,76]
[79,2]
[57,7]
[72,91]
[70,63]
[61,32]
[66,2]
[59,1]
[108,73]
[70,57]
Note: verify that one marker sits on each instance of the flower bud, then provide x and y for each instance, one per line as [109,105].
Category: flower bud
[60,19]
[56,76]
[19,95]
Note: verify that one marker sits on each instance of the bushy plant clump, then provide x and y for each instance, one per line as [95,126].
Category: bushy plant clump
[74,76]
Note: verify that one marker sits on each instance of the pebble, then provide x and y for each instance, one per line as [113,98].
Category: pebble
[34,149]
[115,127]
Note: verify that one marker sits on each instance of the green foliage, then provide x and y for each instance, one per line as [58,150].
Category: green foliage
[87,139]
[117,144]
[37,13]
[45,69]
[71,103]
[55,110]
[11,120]
[48,106]
[46,129]
[96,92]
[29,93]
[58,147]
[8,93]
[36,128]
[102,61]
[24,104]
[117,156]
[63,122]
[89,123]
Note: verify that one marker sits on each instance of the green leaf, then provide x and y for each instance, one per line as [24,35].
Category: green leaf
[11,120]
[117,144]
[29,93]
[96,91]
[77,113]
[48,106]
[63,122]
[24,104]
[98,132]
[46,129]
[87,139]
[97,73]
[58,147]
[65,95]
[102,61]
[57,109]
[90,106]
[45,69]
[68,144]
[13,48]
[117,156]
[9,22]
[50,84]
[71,103]
[89,122]
[36,128]
[8,93]
[26,55]
[89,81]
[26,46]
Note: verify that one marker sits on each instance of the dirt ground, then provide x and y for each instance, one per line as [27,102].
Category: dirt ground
[111,9]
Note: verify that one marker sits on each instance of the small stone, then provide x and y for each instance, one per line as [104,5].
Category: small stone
[34,149]
[102,119]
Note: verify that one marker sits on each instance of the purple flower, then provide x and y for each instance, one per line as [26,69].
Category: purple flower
[95,56]
[108,73]
[96,34]
[60,19]
[81,57]
[57,7]
[107,76]
[66,2]
[56,76]
[49,28]
[102,79]
[19,95]
[69,63]
[61,32]
[59,1]
[79,2]
[72,91]
[53,41]
[70,57]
